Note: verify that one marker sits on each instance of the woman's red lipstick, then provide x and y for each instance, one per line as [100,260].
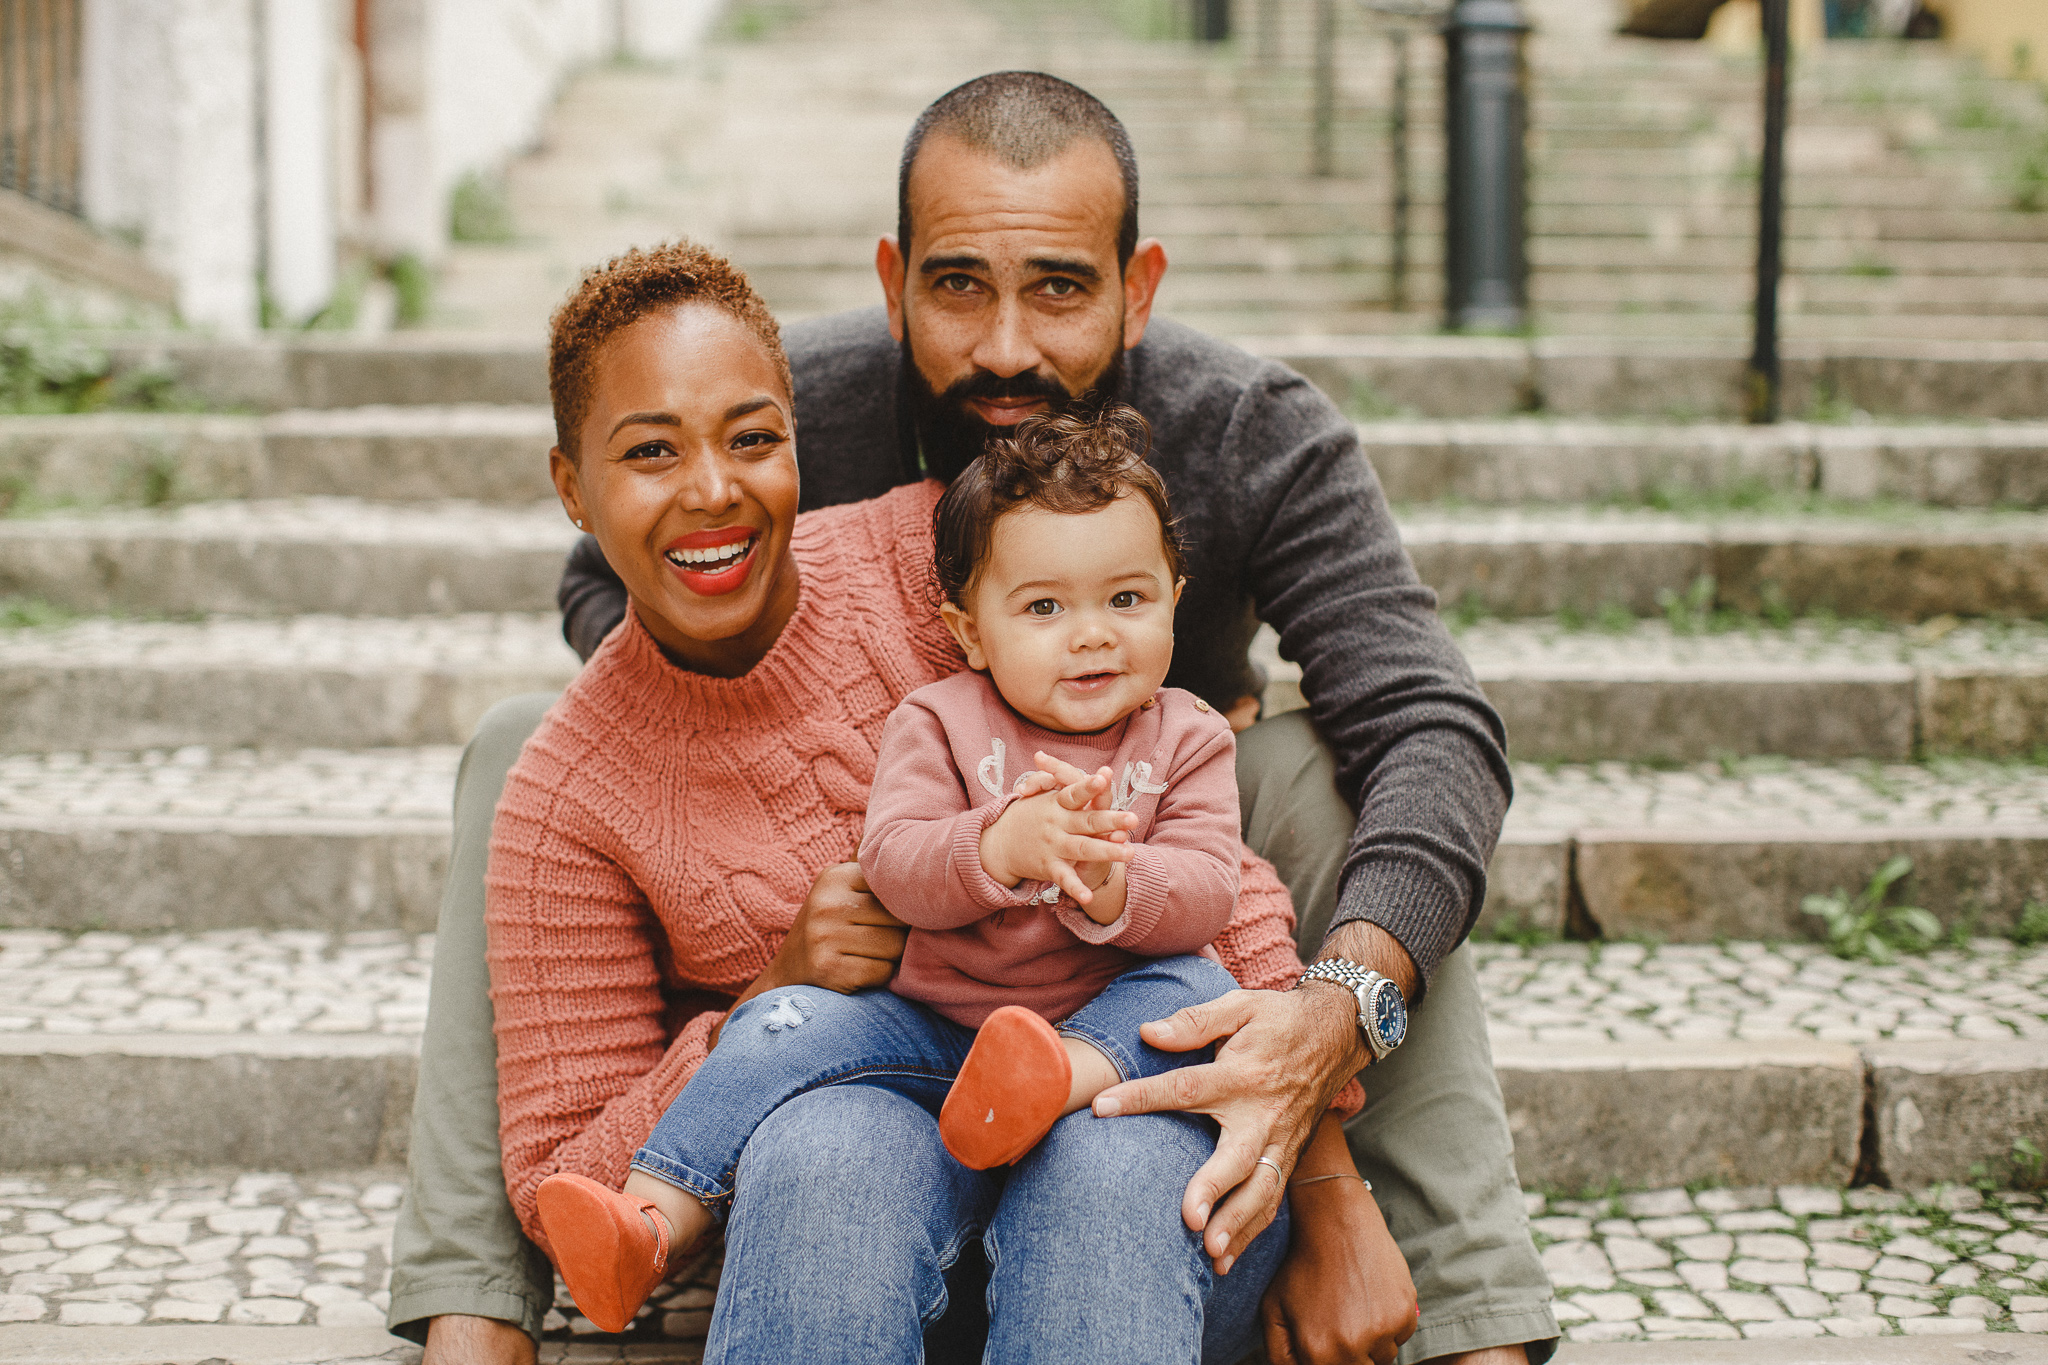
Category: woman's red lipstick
[713,562]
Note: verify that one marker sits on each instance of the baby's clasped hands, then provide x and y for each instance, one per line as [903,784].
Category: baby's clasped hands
[1060,829]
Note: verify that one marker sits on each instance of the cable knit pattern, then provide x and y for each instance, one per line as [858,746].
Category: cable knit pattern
[662,828]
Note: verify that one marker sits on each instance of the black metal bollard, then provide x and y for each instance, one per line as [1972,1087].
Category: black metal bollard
[1764,376]
[1486,258]
[1212,20]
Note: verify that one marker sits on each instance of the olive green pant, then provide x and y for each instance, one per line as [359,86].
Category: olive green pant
[1433,1137]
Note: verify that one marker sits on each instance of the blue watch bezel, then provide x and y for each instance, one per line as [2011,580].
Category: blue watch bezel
[1381,989]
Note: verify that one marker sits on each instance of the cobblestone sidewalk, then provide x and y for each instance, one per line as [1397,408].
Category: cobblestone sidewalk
[279,1249]
[250,981]
[1794,1262]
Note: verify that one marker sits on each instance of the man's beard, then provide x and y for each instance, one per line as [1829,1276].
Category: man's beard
[948,434]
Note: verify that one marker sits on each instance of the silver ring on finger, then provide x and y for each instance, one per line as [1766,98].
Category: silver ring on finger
[1278,1174]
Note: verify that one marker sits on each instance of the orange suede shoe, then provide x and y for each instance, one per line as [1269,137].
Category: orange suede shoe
[1009,1092]
[610,1259]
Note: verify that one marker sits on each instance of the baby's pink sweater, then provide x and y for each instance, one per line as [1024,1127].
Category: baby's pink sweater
[949,759]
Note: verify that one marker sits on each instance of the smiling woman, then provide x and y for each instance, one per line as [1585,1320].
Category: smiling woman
[678,454]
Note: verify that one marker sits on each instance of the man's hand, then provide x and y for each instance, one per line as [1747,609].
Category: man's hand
[1343,1294]
[1054,832]
[458,1340]
[1285,1054]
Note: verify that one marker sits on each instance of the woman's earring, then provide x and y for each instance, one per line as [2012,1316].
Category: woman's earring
[579,525]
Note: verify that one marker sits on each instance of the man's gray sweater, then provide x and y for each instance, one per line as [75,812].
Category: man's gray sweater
[1285,523]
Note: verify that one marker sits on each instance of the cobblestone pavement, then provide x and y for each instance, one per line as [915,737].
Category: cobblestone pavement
[281,1249]
[1647,647]
[1794,1262]
[396,784]
[249,981]
[1775,793]
[233,981]
[269,1250]
[474,639]
[320,521]
[1626,992]
[415,784]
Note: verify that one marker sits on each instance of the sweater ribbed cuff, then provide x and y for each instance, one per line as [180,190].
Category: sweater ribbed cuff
[983,890]
[1144,906]
[1425,916]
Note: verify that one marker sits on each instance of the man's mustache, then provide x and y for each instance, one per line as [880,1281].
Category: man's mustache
[1029,384]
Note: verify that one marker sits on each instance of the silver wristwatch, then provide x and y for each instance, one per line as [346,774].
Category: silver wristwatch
[1382,1013]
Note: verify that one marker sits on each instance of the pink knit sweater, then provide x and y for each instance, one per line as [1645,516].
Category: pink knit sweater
[662,828]
[949,762]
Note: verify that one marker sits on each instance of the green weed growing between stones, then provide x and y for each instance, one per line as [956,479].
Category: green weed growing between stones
[47,367]
[32,613]
[1692,613]
[2031,930]
[1864,927]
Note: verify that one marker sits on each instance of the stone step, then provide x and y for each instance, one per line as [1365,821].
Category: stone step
[1573,692]
[1730,848]
[390,453]
[205,839]
[198,839]
[285,557]
[1560,461]
[493,454]
[308,681]
[1433,375]
[1570,690]
[380,559]
[295,1052]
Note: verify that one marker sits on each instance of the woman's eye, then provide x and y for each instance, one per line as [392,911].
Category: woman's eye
[1044,606]
[753,440]
[653,450]
[1125,600]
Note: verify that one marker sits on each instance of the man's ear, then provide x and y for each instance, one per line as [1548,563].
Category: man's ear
[889,267]
[964,630]
[568,485]
[1147,267]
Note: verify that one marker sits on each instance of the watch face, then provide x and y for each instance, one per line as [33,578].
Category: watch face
[1390,1015]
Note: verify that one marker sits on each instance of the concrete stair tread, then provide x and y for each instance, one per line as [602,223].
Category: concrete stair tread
[315,521]
[476,640]
[211,1047]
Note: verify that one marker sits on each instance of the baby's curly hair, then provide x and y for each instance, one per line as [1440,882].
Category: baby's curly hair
[1064,464]
[625,289]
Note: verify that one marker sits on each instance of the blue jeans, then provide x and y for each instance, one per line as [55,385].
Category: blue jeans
[785,1043]
[849,1214]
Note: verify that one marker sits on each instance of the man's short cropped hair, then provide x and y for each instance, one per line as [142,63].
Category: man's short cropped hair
[1024,119]
[624,290]
[1055,461]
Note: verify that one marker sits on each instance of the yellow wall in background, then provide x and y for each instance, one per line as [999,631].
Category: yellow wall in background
[2009,36]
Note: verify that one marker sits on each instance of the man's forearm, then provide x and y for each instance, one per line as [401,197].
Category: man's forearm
[1375,949]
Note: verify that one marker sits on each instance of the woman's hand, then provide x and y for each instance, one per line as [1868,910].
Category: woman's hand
[1343,1294]
[842,940]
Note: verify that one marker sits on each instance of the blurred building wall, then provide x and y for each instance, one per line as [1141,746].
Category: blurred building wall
[2010,36]
[250,148]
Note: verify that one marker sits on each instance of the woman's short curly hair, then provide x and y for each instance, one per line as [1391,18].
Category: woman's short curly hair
[625,289]
[1062,463]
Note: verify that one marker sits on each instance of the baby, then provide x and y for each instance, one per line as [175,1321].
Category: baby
[1060,831]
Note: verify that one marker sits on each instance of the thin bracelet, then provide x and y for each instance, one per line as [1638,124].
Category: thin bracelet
[1341,1175]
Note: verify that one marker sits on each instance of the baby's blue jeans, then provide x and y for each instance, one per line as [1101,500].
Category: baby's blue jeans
[786,1042]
